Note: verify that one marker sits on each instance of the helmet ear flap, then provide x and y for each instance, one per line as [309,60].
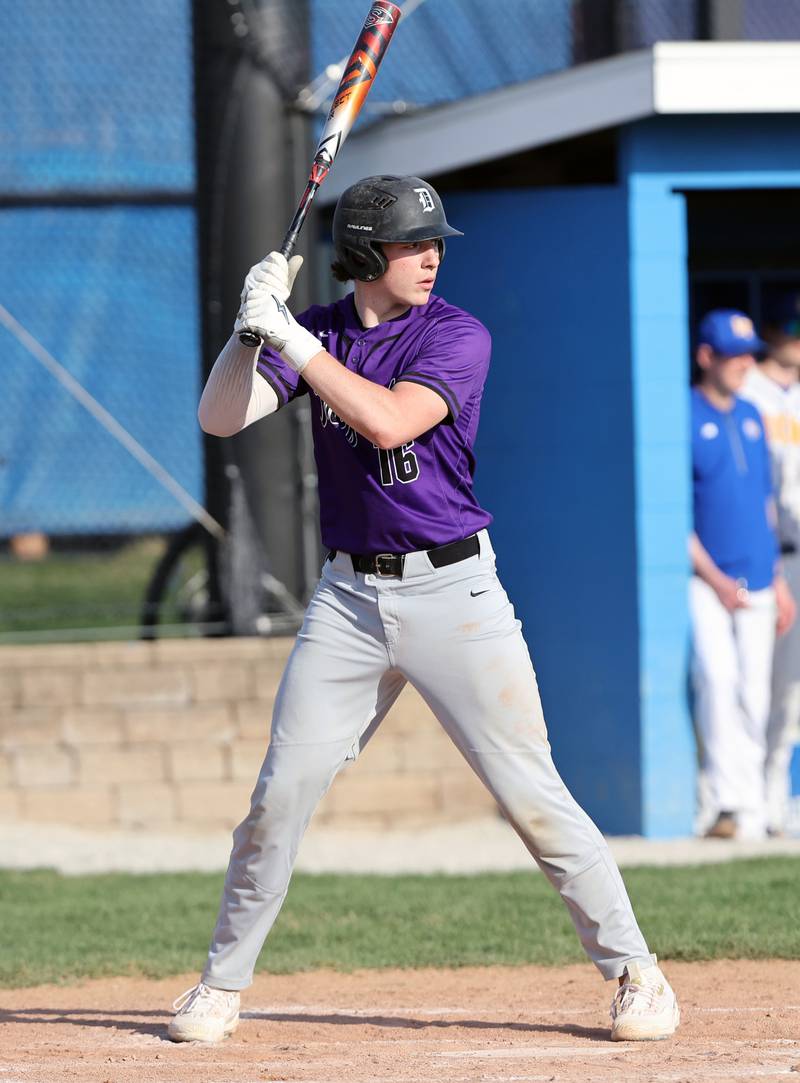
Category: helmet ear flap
[377,262]
[366,263]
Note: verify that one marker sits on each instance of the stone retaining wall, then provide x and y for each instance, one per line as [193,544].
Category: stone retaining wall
[171,733]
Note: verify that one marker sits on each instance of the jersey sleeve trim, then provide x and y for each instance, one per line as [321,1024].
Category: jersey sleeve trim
[273,377]
[439,386]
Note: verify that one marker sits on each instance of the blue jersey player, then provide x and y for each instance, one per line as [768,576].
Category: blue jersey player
[408,592]
[738,597]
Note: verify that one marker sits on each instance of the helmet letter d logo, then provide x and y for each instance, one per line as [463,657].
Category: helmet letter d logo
[425,199]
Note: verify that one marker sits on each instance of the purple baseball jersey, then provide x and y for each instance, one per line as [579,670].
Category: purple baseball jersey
[420,494]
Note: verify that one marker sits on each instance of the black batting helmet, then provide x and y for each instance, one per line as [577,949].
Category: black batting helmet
[385,208]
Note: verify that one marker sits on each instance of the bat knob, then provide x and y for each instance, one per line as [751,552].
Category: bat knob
[249,338]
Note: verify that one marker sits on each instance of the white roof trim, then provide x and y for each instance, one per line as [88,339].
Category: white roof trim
[672,77]
[726,77]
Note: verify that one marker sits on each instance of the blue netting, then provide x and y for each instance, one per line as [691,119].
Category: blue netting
[644,22]
[96,95]
[772,20]
[448,49]
[111,293]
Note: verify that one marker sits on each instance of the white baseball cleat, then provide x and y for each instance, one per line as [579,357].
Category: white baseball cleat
[204,1014]
[645,1008]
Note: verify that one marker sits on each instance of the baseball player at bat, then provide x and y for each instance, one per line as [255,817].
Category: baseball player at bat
[408,592]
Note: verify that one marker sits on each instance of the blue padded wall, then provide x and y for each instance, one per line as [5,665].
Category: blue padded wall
[547,272]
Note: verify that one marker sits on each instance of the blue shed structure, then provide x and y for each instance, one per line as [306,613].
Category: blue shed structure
[661,160]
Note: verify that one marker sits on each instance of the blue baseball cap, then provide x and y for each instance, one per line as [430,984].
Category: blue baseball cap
[729,332]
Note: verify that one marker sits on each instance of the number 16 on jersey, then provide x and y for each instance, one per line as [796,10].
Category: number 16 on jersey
[398,464]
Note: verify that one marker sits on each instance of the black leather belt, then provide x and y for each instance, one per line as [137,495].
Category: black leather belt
[391,564]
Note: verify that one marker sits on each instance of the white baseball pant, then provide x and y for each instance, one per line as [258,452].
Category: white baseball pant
[783,730]
[452,633]
[731,676]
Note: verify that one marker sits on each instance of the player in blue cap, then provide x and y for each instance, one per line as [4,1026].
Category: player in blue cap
[737,590]
[772,386]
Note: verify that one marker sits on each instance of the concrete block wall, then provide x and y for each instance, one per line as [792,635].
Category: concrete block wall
[170,735]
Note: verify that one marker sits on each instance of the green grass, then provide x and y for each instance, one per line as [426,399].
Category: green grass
[65,928]
[78,590]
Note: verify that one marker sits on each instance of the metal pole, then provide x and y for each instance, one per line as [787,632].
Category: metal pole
[727,20]
[244,77]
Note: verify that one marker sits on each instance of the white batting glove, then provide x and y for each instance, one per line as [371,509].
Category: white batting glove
[265,313]
[275,273]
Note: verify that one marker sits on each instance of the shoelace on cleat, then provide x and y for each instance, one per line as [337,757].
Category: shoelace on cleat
[197,993]
[642,996]
[184,998]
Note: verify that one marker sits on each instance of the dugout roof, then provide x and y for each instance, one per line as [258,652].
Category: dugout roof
[668,78]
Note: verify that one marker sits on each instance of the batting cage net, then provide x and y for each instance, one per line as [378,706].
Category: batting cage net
[100,454]
[102,467]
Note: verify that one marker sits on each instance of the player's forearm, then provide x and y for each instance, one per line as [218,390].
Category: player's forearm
[235,395]
[372,410]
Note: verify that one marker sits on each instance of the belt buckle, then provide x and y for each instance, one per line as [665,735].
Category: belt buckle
[387,569]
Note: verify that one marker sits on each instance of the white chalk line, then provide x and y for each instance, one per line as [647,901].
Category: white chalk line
[757,1011]
[696,1075]
[720,1073]
[765,1046]
[450,1079]
[743,1072]
[653,1077]
[723,1043]
[327,1009]
[395,1012]
[538,1051]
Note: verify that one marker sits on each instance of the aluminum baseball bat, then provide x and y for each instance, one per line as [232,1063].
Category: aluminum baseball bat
[359,75]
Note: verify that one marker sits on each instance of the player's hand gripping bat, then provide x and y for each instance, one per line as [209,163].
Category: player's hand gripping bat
[356,81]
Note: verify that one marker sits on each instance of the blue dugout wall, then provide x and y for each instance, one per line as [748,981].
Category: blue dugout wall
[547,272]
[583,452]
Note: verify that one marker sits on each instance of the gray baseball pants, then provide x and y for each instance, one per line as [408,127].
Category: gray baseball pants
[452,633]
